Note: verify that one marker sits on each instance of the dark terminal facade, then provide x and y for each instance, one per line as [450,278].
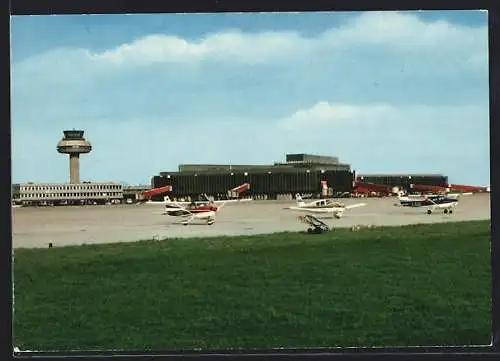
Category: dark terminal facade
[300,173]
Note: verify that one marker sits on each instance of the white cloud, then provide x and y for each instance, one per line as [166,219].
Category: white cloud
[390,30]
[330,114]
[409,33]
[412,130]
[398,31]
[230,45]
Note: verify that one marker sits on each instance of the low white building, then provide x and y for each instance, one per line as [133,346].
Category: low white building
[51,193]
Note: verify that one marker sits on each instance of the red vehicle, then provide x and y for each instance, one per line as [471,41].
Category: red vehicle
[429,188]
[372,188]
[467,188]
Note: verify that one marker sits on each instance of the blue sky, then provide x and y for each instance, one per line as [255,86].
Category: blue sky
[401,92]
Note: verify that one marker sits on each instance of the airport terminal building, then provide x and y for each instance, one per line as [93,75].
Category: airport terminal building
[66,194]
[301,173]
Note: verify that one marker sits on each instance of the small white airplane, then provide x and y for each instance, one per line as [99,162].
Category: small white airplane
[444,203]
[193,212]
[433,203]
[328,206]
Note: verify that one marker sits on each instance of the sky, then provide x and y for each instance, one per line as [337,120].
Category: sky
[387,92]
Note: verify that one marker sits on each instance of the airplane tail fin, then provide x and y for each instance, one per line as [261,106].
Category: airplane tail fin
[299,199]
[207,198]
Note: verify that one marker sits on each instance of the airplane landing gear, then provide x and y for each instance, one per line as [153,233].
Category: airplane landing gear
[445,211]
[429,211]
[210,221]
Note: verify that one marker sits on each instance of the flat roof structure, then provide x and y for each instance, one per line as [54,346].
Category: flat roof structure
[311,158]
[293,162]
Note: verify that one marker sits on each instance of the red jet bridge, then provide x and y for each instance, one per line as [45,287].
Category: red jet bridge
[157,191]
[235,192]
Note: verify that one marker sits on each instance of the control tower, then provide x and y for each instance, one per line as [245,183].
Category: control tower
[74,144]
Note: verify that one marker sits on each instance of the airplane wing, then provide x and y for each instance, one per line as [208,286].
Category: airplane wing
[172,203]
[458,195]
[432,203]
[224,201]
[152,202]
[356,205]
[217,203]
[176,204]
[177,212]
[314,210]
[173,207]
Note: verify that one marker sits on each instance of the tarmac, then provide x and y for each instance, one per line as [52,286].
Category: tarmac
[75,225]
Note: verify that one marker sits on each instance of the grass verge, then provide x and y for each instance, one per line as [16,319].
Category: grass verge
[413,285]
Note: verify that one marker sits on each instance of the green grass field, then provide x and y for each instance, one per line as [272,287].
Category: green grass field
[414,285]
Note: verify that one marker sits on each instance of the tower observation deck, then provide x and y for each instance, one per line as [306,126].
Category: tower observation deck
[74,144]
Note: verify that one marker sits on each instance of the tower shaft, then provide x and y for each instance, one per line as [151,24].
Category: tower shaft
[74,168]
[74,144]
